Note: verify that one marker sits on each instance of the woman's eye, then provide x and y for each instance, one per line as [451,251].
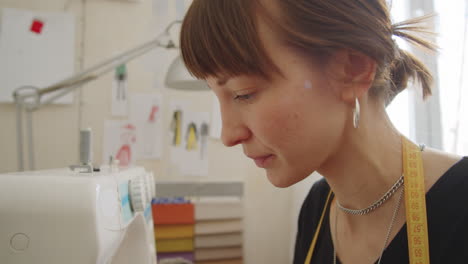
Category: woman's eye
[243,97]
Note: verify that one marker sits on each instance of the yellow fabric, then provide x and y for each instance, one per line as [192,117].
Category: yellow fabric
[173,231]
[174,245]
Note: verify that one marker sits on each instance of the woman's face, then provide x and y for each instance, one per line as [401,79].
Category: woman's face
[289,125]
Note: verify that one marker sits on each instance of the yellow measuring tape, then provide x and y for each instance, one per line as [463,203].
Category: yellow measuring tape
[415,201]
[314,240]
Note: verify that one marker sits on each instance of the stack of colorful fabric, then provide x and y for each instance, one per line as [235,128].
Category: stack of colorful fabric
[174,229]
[218,231]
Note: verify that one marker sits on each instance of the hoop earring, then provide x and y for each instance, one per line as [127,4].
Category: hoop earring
[356,114]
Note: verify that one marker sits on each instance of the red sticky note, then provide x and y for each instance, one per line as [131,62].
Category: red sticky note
[36,26]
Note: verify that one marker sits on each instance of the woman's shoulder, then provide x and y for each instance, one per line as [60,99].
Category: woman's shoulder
[448,214]
[318,192]
[309,216]
[438,164]
[449,186]
[314,203]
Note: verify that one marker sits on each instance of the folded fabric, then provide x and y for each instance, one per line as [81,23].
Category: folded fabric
[174,231]
[218,209]
[177,255]
[218,227]
[174,245]
[218,253]
[173,214]
[222,240]
[225,261]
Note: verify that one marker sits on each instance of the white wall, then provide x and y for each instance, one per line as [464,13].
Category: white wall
[111,27]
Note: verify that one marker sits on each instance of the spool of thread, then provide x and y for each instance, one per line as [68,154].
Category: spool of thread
[86,146]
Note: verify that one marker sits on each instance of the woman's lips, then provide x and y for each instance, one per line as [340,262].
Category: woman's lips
[262,161]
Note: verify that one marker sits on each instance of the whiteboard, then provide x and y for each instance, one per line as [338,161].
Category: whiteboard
[36,48]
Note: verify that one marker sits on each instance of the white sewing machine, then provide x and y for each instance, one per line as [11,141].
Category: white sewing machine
[63,216]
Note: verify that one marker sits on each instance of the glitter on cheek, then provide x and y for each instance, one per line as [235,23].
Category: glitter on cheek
[307,84]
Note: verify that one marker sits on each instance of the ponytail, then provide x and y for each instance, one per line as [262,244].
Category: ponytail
[406,66]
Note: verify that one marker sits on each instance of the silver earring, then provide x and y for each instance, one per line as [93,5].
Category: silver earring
[356,114]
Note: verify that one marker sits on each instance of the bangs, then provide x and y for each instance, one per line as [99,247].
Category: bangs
[220,38]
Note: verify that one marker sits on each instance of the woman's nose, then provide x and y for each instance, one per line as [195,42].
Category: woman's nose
[233,131]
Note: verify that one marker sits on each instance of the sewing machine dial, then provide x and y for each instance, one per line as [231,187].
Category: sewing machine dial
[150,186]
[138,195]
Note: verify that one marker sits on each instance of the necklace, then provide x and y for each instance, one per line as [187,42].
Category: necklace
[392,222]
[382,200]
[376,204]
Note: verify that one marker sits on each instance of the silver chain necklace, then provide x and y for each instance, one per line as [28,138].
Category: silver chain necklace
[376,204]
[395,213]
[382,200]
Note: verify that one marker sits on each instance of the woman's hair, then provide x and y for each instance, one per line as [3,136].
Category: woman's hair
[220,37]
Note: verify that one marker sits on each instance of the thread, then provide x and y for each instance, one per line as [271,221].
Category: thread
[86,145]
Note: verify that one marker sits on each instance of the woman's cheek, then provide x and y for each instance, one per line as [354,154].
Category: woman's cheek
[281,124]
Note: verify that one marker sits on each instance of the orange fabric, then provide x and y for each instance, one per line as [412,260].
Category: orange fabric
[173,214]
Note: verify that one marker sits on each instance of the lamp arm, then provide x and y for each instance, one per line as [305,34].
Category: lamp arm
[68,85]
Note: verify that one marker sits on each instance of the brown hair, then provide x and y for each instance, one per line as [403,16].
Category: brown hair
[220,37]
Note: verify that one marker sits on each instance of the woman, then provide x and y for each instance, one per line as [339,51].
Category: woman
[303,86]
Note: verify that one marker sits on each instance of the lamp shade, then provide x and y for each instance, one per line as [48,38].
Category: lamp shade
[179,78]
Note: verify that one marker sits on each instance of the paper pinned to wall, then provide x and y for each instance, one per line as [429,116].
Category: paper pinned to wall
[196,132]
[189,132]
[36,48]
[177,110]
[158,60]
[169,10]
[120,142]
[216,122]
[181,8]
[145,113]
[160,9]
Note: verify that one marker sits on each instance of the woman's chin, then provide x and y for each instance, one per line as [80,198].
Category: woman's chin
[284,180]
[280,181]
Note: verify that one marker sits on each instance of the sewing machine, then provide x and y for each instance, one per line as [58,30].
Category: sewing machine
[66,216]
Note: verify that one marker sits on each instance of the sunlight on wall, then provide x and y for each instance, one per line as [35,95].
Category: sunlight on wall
[452,71]
[398,110]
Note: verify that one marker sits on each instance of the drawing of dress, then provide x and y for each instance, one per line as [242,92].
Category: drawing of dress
[176,127]
[149,131]
[192,137]
[204,131]
[121,77]
[124,154]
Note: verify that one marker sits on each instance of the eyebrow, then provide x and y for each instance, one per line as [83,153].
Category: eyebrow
[222,82]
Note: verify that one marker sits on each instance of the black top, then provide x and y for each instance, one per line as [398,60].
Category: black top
[447,214]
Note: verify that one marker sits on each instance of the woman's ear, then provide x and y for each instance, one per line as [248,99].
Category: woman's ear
[354,72]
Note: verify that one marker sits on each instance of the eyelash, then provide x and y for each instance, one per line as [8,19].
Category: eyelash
[244,97]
